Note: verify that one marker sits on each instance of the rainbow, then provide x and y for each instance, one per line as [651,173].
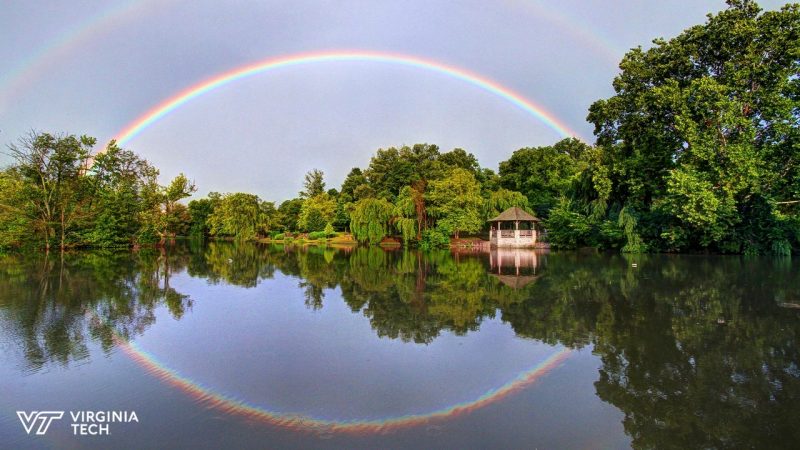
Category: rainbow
[181,98]
[107,20]
[298,422]
[14,80]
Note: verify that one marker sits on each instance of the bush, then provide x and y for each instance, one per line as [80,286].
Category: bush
[278,236]
[315,235]
[434,238]
[329,232]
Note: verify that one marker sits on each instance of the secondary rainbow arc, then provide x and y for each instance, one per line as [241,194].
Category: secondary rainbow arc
[174,102]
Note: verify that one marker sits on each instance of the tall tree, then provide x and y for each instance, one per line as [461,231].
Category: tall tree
[369,220]
[703,136]
[173,217]
[455,201]
[54,189]
[313,184]
[240,215]
[543,174]
[316,212]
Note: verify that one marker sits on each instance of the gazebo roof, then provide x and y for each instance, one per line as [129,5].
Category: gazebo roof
[513,214]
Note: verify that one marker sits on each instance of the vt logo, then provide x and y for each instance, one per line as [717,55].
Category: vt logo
[44,418]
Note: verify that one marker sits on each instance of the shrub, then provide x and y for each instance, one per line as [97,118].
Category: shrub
[278,236]
[314,235]
[434,238]
[329,232]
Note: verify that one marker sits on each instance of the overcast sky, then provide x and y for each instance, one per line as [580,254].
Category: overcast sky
[93,67]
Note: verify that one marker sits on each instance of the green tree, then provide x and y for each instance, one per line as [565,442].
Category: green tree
[459,157]
[172,218]
[199,211]
[455,202]
[55,191]
[543,174]
[121,182]
[317,212]
[392,169]
[701,137]
[14,227]
[289,213]
[240,215]
[500,200]
[354,179]
[313,184]
[369,220]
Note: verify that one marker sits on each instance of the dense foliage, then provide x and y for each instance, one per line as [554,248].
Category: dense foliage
[59,192]
[698,150]
[700,145]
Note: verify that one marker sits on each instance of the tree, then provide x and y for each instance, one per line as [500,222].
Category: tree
[459,157]
[54,190]
[500,200]
[354,179]
[392,169]
[543,174]
[199,211]
[316,212]
[455,202]
[242,216]
[369,220]
[121,182]
[289,213]
[702,134]
[314,184]
[405,215]
[172,217]
[14,227]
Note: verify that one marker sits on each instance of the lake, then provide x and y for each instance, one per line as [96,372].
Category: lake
[263,346]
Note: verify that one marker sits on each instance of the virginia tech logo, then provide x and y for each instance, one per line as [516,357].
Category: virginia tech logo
[44,418]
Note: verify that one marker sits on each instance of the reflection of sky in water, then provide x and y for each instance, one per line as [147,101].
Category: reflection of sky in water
[653,351]
[328,363]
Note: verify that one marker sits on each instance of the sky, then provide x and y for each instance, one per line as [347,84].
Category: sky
[497,75]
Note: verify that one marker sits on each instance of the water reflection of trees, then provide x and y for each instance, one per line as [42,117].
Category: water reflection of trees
[51,306]
[695,351]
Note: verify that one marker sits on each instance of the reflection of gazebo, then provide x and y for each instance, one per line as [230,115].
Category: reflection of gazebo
[514,227]
[513,267]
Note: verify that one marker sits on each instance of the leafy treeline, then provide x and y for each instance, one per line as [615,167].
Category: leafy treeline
[61,193]
[416,192]
[698,150]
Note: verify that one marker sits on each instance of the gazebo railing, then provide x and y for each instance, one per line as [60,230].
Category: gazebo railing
[525,233]
[506,233]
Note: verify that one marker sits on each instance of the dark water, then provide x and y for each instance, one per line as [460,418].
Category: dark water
[271,347]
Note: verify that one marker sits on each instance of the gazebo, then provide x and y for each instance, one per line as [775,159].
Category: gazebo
[514,227]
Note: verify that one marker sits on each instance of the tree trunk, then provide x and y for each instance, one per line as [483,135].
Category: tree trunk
[62,230]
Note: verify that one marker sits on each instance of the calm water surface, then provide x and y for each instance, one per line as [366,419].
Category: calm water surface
[270,347]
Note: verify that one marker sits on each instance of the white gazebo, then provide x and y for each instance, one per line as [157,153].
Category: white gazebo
[514,227]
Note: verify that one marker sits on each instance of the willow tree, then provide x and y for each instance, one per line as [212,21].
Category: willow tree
[369,220]
[240,215]
[405,215]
